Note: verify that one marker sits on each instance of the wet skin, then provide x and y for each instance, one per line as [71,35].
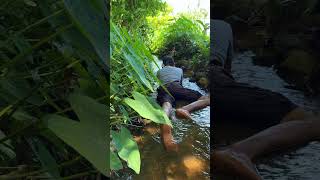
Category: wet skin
[238,157]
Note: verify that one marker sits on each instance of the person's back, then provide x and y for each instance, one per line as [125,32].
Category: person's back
[170,74]
[221,43]
[171,89]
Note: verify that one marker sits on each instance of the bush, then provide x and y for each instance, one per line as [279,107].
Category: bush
[189,39]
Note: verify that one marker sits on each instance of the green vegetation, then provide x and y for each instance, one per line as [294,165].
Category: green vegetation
[53,89]
[139,30]
[188,37]
[54,85]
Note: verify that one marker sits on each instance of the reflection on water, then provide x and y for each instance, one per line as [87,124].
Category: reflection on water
[303,163]
[192,160]
[266,77]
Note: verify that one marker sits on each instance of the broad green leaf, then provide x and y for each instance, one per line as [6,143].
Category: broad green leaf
[134,53]
[127,148]
[145,109]
[45,157]
[138,68]
[90,21]
[89,86]
[76,37]
[115,163]
[89,135]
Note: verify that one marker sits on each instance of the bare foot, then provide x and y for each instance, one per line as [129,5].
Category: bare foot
[181,113]
[232,162]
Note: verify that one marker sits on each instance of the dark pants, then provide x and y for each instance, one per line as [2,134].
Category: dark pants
[240,102]
[178,92]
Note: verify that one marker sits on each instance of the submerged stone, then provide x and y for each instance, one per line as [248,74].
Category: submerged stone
[299,61]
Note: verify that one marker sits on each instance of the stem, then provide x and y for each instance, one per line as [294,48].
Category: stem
[3,140]
[49,100]
[36,46]
[40,21]
[45,170]
[80,175]
[34,24]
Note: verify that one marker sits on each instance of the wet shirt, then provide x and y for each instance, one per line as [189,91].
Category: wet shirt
[221,39]
[170,74]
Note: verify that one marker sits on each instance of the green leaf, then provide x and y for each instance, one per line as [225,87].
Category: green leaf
[20,89]
[127,148]
[89,86]
[145,109]
[89,136]
[138,68]
[30,3]
[45,157]
[22,45]
[90,21]
[6,153]
[115,163]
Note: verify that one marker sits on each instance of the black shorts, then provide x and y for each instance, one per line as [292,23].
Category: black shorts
[178,92]
[240,102]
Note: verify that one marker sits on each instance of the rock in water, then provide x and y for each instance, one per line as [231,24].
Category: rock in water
[203,82]
[193,166]
[299,61]
[189,73]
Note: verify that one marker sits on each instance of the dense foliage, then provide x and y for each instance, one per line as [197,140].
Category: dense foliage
[138,30]
[189,39]
[53,89]
[132,14]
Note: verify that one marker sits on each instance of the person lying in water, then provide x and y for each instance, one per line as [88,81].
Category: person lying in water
[284,124]
[171,78]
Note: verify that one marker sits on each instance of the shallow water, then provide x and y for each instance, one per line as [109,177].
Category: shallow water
[192,160]
[302,163]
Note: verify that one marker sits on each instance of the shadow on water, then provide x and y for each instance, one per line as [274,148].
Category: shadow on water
[302,163]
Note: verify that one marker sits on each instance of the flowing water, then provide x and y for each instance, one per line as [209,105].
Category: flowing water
[191,161]
[193,137]
[302,163]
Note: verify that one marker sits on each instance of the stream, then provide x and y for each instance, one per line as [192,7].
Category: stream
[193,137]
[192,160]
[302,163]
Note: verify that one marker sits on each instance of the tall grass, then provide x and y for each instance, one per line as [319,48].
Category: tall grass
[134,38]
[53,89]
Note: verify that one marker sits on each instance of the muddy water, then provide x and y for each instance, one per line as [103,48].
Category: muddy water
[192,160]
[302,163]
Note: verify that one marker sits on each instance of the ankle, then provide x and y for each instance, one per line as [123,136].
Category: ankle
[239,150]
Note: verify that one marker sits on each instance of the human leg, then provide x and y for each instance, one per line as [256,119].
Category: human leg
[166,131]
[198,101]
[239,156]
[184,112]
[285,124]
